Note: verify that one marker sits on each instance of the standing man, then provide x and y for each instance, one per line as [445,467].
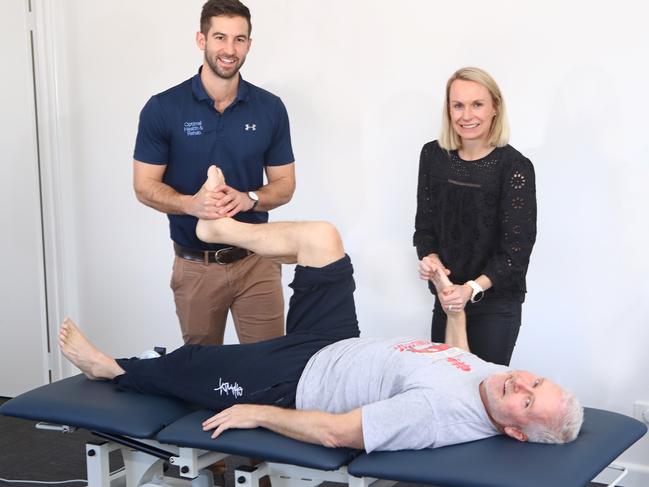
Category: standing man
[218,118]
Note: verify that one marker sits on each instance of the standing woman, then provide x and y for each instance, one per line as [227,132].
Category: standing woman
[476,216]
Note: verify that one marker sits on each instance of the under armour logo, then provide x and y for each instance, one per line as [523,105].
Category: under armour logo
[252,127]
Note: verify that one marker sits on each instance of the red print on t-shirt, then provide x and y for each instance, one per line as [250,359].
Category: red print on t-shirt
[463,366]
[432,348]
[422,346]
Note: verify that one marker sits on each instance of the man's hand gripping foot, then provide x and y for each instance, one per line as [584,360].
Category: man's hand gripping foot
[208,230]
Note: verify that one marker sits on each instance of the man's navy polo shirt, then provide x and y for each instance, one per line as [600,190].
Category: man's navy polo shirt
[181,128]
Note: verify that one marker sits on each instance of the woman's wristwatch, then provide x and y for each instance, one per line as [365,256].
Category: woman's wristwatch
[477,293]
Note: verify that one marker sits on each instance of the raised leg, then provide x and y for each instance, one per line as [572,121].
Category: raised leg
[313,244]
[89,359]
[456,320]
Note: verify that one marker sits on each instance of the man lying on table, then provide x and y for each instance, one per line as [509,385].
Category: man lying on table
[323,384]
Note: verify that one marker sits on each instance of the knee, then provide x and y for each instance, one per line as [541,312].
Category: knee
[325,237]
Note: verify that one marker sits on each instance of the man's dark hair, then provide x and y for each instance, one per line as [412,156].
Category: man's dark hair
[229,8]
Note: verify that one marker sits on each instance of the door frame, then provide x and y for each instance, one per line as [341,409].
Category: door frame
[45,20]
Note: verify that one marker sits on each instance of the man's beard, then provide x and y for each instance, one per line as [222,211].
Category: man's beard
[218,71]
[491,392]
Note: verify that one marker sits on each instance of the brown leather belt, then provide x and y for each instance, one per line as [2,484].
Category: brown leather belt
[228,255]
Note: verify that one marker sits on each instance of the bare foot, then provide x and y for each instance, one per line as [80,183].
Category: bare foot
[440,280]
[214,178]
[209,230]
[78,350]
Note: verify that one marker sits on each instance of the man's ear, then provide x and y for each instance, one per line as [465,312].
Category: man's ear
[200,40]
[515,433]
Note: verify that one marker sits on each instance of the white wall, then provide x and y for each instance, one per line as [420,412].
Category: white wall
[363,82]
[22,280]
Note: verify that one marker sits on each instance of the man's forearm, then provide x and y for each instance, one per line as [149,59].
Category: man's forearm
[162,197]
[331,430]
[318,427]
[275,193]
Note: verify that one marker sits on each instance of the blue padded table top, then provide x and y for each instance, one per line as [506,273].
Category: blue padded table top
[257,443]
[500,461]
[97,405]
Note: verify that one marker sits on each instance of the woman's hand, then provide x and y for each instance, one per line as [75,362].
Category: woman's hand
[455,297]
[427,267]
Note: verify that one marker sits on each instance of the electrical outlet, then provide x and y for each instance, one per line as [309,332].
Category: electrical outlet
[641,411]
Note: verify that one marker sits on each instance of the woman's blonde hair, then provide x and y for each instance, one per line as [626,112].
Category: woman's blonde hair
[499,132]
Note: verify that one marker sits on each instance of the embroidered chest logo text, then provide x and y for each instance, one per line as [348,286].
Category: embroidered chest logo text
[225,389]
[193,128]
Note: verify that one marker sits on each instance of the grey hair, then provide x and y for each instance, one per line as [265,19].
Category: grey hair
[563,428]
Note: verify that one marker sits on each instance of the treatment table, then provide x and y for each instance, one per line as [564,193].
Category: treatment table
[151,430]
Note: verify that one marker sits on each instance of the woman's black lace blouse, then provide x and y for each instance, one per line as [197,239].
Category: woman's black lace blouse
[479,216]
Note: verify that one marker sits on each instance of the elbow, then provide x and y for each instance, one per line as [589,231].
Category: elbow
[331,441]
[338,439]
[288,194]
[145,194]
[331,433]
[345,433]
[140,197]
[140,193]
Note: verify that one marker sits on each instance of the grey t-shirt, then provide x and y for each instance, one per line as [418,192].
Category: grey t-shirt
[414,393]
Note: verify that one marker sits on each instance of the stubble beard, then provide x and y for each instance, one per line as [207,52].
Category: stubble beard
[492,400]
[214,67]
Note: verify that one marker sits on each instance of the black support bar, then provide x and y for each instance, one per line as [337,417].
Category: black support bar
[137,445]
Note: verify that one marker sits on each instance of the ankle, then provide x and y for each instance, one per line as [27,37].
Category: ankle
[208,230]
